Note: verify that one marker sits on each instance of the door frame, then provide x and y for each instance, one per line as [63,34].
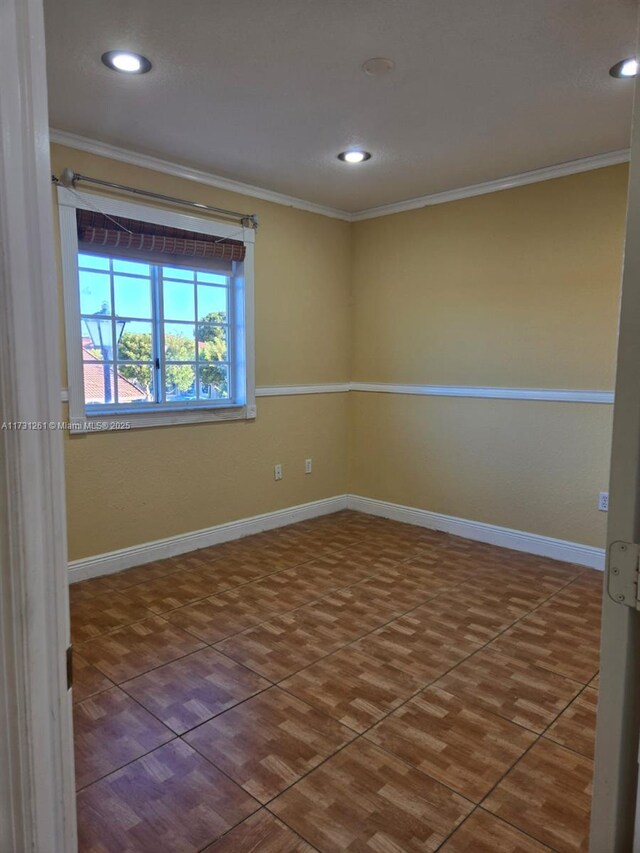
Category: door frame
[37,786]
[618,724]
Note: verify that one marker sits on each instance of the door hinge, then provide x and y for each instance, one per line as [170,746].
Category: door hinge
[622,573]
[69,667]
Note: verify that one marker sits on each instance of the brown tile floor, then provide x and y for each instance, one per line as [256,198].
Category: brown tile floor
[344,684]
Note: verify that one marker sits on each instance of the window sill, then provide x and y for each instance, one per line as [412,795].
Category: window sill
[125,421]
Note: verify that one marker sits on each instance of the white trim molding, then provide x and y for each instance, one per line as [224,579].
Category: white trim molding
[560,395]
[547,394]
[37,785]
[572,167]
[172,546]
[504,537]
[294,390]
[518,540]
[178,170]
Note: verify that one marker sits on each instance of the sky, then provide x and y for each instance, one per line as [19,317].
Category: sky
[132,293]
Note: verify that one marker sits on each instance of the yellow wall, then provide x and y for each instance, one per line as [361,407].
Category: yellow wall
[128,488]
[519,289]
[533,466]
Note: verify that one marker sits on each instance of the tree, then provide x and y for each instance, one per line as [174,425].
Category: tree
[136,346]
[212,348]
[179,348]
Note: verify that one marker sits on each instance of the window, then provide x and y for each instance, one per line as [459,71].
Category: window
[154,337]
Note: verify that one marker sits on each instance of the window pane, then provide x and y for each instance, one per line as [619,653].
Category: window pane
[212,343]
[95,292]
[212,278]
[133,296]
[96,262]
[135,383]
[136,342]
[213,381]
[98,382]
[178,272]
[133,267]
[212,303]
[180,382]
[179,301]
[179,342]
[96,337]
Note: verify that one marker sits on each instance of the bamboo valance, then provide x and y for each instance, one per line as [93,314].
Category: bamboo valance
[97,229]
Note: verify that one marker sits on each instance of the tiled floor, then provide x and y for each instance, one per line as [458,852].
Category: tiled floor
[344,684]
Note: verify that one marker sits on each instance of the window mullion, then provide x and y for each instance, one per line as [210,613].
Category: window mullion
[196,329]
[158,336]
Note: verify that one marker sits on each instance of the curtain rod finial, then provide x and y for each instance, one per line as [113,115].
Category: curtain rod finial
[67,178]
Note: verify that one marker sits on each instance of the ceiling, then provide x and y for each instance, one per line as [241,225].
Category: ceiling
[269,91]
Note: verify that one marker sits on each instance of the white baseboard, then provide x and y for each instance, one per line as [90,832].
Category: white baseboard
[518,540]
[505,537]
[137,555]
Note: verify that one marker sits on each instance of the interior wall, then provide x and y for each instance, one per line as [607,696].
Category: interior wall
[516,289]
[132,487]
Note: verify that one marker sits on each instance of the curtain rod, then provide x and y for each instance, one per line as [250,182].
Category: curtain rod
[69,178]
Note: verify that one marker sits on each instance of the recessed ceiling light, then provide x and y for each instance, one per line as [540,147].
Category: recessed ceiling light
[354,156]
[378,65]
[129,63]
[625,68]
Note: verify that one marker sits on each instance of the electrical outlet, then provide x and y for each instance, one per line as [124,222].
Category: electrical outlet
[603,501]
[277,472]
[308,466]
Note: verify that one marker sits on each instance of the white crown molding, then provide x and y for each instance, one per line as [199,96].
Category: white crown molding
[557,395]
[172,546]
[177,170]
[147,161]
[572,167]
[503,537]
[294,390]
[545,394]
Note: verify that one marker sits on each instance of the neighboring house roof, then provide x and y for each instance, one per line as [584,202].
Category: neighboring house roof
[93,370]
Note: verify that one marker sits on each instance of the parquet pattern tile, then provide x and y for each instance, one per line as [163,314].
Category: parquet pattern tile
[548,795]
[364,799]
[189,691]
[130,651]
[267,743]
[431,694]
[545,640]
[465,617]
[576,727]
[484,833]
[87,680]
[110,730]
[282,645]
[170,800]
[416,646]
[185,587]
[261,832]
[356,688]
[233,611]
[526,694]
[466,748]
[103,613]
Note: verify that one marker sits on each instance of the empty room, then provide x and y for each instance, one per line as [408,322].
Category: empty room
[320,325]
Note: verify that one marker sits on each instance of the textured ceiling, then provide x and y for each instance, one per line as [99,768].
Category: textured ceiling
[269,91]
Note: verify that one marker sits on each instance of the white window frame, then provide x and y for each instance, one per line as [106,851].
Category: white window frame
[243,406]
